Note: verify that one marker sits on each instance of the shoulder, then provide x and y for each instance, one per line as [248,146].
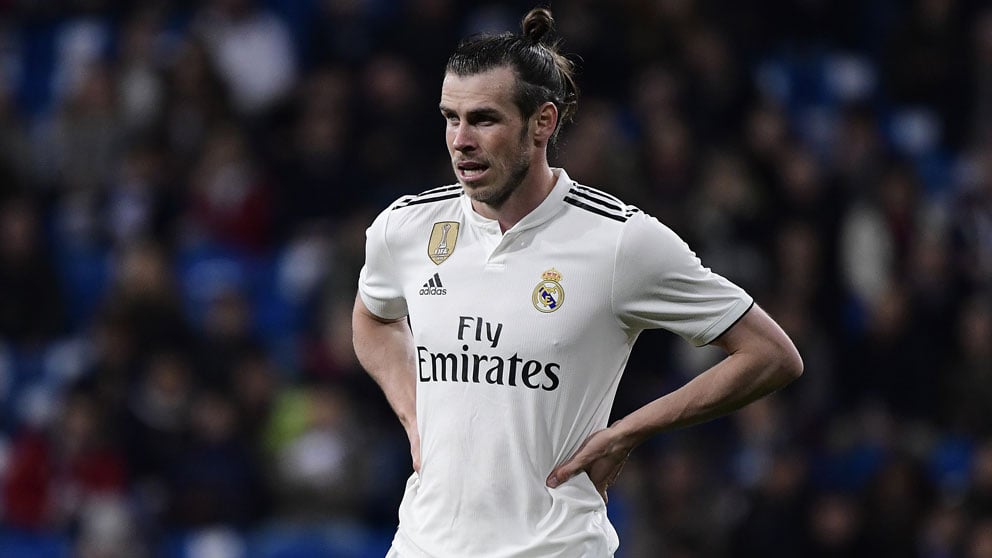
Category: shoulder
[600,203]
[437,204]
[432,196]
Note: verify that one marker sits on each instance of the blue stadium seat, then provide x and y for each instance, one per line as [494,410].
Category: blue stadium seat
[17,544]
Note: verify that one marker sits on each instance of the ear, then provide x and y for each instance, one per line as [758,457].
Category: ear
[546,120]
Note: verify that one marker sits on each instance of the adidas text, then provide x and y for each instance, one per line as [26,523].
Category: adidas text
[433,291]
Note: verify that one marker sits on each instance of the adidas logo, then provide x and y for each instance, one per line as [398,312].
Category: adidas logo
[433,286]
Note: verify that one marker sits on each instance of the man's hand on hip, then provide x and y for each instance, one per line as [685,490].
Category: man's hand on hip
[602,456]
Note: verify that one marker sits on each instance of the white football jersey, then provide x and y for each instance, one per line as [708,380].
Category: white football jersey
[521,339]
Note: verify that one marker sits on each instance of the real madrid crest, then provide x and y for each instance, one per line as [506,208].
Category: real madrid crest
[548,294]
[441,245]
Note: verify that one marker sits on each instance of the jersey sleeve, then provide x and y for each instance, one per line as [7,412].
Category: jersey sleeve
[379,282]
[660,283]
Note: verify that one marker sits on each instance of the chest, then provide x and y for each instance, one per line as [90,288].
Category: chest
[542,289]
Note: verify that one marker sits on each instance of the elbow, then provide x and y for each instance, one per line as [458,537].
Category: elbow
[789,365]
[781,365]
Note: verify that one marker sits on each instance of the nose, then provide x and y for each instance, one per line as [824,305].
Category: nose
[462,138]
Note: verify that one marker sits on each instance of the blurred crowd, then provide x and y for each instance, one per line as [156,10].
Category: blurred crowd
[185,185]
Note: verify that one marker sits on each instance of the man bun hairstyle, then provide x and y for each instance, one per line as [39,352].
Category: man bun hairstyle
[543,74]
[536,25]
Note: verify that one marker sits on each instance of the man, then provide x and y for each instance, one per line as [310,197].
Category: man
[497,316]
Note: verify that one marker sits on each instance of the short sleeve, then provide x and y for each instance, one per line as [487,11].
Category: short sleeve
[660,283]
[379,283]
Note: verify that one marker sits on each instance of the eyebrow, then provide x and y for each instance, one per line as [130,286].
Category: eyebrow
[476,114]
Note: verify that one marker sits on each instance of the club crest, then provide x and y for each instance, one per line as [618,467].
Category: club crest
[441,245]
[548,294]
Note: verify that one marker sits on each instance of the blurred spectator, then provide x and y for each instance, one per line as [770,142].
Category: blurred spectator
[858,151]
[197,101]
[343,31]
[599,149]
[318,174]
[214,480]
[967,378]
[944,532]
[770,526]
[145,295]
[726,214]
[113,367]
[972,222]
[835,528]
[668,153]
[16,169]
[140,79]
[255,385]
[156,428]
[87,134]
[684,510]
[227,338]
[897,500]
[252,50]
[141,203]
[319,473]
[981,131]
[978,500]
[108,530]
[926,61]
[230,199]
[979,544]
[394,114]
[435,26]
[54,476]
[31,310]
[892,363]
[715,94]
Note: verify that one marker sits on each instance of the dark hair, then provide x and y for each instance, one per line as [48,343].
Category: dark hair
[543,74]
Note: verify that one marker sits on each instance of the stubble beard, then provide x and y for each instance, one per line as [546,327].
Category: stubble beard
[496,195]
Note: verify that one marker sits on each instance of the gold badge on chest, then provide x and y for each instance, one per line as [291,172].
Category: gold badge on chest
[549,295]
[441,245]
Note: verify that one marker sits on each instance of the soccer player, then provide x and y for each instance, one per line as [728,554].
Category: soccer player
[497,315]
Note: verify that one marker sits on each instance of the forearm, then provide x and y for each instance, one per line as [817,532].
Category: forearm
[385,349]
[724,388]
[736,381]
[761,359]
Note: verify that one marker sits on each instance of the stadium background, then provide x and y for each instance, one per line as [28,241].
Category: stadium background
[184,188]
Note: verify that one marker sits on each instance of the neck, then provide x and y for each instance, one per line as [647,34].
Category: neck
[532,191]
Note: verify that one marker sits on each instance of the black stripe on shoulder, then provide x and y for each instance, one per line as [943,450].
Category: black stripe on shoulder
[605,200]
[421,200]
[594,209]
[593,199]
[443,192]
[603,196]
[440,189]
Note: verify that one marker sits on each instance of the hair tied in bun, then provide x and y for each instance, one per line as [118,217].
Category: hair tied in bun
[536,25]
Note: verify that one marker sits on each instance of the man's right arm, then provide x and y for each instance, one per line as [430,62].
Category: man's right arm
[385,349]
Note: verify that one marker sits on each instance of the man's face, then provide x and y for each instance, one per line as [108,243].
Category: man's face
[487,137]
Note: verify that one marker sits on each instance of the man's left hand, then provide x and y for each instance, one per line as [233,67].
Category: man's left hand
[602,456]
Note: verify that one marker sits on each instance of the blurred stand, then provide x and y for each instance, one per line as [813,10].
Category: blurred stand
[184,191]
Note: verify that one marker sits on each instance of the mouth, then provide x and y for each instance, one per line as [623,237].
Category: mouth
[469,171]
